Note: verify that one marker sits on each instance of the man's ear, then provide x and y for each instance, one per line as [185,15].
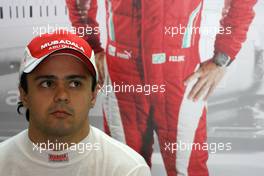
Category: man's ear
[23,96]
[94,95]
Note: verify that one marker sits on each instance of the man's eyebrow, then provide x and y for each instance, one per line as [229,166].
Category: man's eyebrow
[76,77]
[69,77]
[45,77]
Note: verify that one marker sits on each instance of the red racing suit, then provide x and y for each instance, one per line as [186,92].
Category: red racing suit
[144,49]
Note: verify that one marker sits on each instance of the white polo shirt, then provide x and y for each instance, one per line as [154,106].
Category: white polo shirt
[96,155]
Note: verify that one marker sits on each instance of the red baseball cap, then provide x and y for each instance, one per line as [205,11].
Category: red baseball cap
[60,41]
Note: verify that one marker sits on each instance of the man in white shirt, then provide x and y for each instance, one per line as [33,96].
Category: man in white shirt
[58,88]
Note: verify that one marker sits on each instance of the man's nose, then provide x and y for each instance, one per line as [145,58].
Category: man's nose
[62,94]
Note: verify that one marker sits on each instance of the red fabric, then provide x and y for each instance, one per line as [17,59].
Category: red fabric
[239,17]
[93,39]
[136,35]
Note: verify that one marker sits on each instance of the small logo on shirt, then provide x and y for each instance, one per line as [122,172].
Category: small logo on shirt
[177,58]
[111,50]
[124,55]
[158,58]
[59,158]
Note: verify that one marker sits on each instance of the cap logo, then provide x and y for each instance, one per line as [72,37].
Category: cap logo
[61,42]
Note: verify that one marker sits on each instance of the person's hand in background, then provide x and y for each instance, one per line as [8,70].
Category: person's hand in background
[209,75]
[83,6]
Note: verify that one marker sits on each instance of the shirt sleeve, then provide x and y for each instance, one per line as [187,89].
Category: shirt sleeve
[142,170]
[92,37]
[238,17]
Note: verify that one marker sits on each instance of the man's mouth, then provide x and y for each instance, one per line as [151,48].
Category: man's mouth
[61,114]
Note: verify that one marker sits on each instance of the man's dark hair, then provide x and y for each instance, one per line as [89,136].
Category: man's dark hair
[24,85]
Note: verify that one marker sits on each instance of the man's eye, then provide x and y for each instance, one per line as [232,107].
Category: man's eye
[46,84]
[75,84]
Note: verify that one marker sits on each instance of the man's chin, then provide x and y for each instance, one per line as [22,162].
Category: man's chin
[59,130]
